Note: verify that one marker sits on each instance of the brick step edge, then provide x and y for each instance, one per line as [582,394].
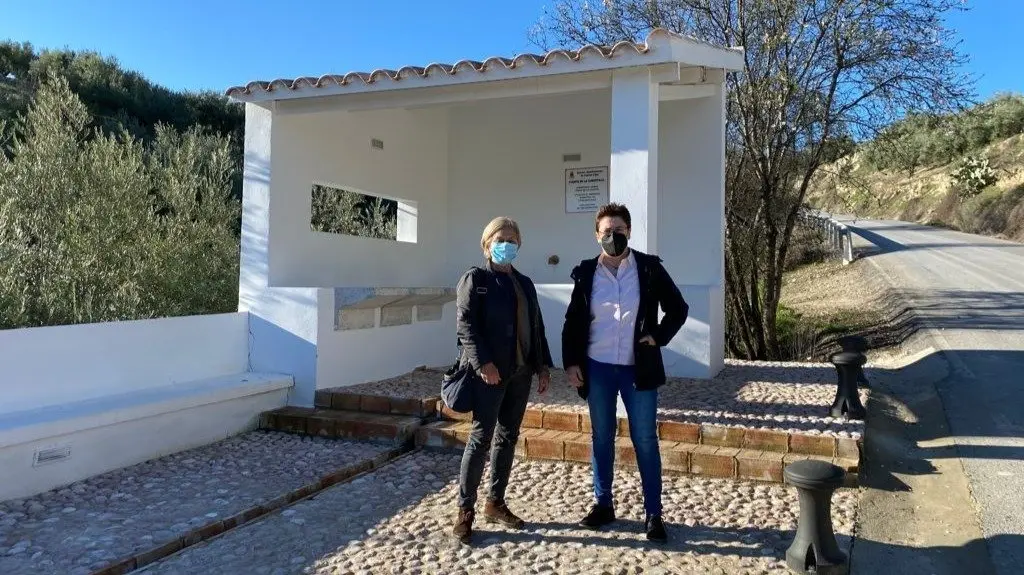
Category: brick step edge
[341,424]
[698,434]
[677,457]
[336,398]
[215,528]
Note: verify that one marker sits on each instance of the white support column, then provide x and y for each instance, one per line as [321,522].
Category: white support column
[633,171]
[283,322]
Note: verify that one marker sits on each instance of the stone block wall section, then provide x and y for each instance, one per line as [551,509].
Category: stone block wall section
[710,435]
[677,457]
[709,450]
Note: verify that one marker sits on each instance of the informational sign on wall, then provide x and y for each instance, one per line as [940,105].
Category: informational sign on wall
[586,189]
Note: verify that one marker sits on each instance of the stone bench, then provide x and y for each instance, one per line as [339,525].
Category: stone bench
[49,446]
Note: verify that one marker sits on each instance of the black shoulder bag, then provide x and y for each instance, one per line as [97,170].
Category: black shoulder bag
[459,383]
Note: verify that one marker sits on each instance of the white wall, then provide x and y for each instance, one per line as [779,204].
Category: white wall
[357,356]
[334,148]
[55,365]
[692,192]
[692,227]
[505,159]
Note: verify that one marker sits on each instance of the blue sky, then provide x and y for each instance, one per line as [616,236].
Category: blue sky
[213,44]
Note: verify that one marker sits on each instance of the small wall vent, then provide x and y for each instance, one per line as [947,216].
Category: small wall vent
[51,455]
[377,144]
[571,157]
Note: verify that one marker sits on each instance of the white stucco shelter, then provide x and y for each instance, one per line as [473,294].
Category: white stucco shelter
[539,138]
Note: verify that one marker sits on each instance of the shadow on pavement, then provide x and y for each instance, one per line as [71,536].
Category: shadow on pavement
[883,244]
[915,483]
[698,539]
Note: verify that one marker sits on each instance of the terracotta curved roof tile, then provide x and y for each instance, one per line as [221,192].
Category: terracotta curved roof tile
[494,62]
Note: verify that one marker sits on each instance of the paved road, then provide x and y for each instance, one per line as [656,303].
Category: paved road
[969,292]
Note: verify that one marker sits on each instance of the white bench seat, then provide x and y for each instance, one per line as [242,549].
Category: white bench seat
[113,431]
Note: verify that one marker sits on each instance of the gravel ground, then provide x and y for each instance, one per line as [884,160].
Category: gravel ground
[86,525]
[791,397]
[398,518]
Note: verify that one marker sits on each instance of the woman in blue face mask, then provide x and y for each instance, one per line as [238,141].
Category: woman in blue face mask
[501,332]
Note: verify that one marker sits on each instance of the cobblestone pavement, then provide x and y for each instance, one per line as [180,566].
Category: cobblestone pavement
[111,516]
[791,397]
[398,518]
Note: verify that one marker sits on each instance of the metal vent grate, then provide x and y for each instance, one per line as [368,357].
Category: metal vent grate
[51,455]
[571,157]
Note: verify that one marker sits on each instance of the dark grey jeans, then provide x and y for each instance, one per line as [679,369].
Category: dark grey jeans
[498,413]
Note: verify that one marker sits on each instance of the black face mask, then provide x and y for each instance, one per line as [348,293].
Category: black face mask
[614,244]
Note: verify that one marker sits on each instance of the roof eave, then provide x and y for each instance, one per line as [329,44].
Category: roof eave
[333,85]
[660,47]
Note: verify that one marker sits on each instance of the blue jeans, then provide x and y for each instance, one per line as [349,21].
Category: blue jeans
[606,382]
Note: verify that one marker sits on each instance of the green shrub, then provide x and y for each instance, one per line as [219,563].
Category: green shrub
[971,176]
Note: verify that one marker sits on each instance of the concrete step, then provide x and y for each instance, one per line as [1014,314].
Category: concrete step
[692,433]
[677,457]
[342,424]
[340,399]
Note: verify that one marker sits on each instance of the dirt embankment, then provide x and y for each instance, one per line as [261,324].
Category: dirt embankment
[925,196]
[824,301]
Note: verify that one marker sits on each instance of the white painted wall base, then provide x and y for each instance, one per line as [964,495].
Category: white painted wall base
[695,351]
[125,434]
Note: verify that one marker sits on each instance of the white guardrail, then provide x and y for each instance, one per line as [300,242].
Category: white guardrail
[837,234]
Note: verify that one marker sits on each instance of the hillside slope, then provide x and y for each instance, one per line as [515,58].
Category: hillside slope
[854,187]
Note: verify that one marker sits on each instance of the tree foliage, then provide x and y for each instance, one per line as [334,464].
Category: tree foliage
[817,75]
[343,212]
[120,199]
[923,140]
[98,226]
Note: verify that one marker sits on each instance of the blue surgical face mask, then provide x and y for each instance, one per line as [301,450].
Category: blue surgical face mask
[503,252]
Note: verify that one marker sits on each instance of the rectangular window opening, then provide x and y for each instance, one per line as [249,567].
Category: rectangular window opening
[348,212]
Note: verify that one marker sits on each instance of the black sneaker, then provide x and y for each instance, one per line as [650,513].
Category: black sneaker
[598,517]
[656,529]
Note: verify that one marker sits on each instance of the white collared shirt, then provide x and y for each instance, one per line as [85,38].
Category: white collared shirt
[614,303]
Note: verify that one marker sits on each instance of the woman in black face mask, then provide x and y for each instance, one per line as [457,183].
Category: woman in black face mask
[611,345]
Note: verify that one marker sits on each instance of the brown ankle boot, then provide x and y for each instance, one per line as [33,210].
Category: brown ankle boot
[463,530]
[498,512]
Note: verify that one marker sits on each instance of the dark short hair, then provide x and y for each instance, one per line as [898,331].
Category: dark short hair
[612,211]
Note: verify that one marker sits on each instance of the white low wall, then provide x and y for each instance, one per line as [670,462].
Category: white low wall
[114,394]
[60,364]
[107,440]
[349,357]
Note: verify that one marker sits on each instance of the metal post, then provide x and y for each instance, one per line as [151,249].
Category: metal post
[856,344]
[847,403]
[814,549]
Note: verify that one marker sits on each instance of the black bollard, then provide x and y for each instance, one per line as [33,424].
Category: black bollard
[814,549]
[847,403]
[857,344]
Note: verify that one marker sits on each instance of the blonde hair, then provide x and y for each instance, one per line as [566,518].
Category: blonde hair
[494,228]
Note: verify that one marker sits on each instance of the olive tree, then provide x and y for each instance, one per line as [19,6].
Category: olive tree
[101,227]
